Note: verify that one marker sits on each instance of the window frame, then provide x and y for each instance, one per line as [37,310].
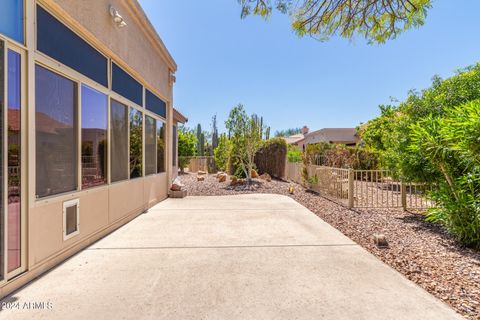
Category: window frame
[52,65]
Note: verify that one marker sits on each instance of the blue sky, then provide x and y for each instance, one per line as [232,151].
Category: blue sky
[290,81]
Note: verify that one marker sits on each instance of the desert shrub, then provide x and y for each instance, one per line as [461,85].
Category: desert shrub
[186,146]
[222,153]
[451,145]
[271,158]
[433,137]
[294,155]
[315,153]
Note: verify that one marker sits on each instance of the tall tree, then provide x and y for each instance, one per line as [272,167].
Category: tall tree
[376,20]
[214,133]
[245,137]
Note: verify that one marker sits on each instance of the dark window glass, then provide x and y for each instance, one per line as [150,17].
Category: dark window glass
[174,145]
[2,114]
[155,104]
[150,146]
[119,141]
[14,160]
[55,127]
[11,19]
[94,138]
[126,85]
[57,41]
[135,143]
[160,147]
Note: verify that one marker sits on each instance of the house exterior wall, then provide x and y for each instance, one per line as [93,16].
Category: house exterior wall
[102,209]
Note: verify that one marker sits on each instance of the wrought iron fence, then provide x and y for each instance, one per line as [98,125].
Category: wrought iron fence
[363,188]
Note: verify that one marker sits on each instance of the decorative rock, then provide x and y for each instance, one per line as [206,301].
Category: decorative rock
[219,174]
[380,240]
[291,190]
[177,185]
[234,181]
[201,173]
[222,178]
[266,177]
[254,174]
[201,178]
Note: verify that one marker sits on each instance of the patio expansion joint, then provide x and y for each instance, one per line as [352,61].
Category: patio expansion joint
[228,247]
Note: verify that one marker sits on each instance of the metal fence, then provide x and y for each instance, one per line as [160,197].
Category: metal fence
[363,188]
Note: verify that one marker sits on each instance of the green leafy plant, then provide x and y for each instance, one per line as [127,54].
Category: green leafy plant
[222,152]
[187,143]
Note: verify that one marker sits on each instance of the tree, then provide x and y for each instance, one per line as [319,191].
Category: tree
[186,146]
[246,138]
[376,20]
[200,141]
[288,132]
[214,133]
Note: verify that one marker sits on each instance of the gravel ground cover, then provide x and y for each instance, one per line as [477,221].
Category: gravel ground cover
[421,251]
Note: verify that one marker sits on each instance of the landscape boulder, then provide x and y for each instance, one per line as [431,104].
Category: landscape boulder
[380,240]
[201,178]
[266,177]
[222,177]
[254,174]
[201,173]
[177,185]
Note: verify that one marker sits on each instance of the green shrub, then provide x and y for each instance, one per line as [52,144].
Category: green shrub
[222,153]
[451,145]
[294,155]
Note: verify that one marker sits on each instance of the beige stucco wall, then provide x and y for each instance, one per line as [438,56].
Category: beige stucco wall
[130,43]
[104,208]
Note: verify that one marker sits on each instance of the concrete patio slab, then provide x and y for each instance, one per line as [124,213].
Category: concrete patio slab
[235,257]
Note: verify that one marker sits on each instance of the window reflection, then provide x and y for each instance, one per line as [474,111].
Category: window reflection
[119,141]
[14,134]
[56,139]
[150,146]
[2,194]
[94,138]
[135,143]
[160,147]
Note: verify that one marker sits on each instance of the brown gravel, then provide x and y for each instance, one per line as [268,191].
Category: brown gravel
[421,251]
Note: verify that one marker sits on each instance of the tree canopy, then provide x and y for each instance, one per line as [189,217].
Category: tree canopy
[376,20]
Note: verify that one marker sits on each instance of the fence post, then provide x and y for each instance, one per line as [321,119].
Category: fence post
[351,186]
[403,195]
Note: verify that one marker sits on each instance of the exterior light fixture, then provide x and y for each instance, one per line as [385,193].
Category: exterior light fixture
[117,18]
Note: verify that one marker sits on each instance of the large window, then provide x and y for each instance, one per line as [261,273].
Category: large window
[160,147]
[174,146]
[119,141]
[150,146]
[126,85]
[2,191]
[56,139]
[94,138]
[14,160]
[12,20]
[155,104]
[62,44]
[135,143]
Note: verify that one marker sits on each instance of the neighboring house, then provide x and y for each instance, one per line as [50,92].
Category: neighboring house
[91,134]
[347,136]
[298,139]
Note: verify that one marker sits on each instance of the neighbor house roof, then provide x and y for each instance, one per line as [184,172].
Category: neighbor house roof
[294,139]
[333,135]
